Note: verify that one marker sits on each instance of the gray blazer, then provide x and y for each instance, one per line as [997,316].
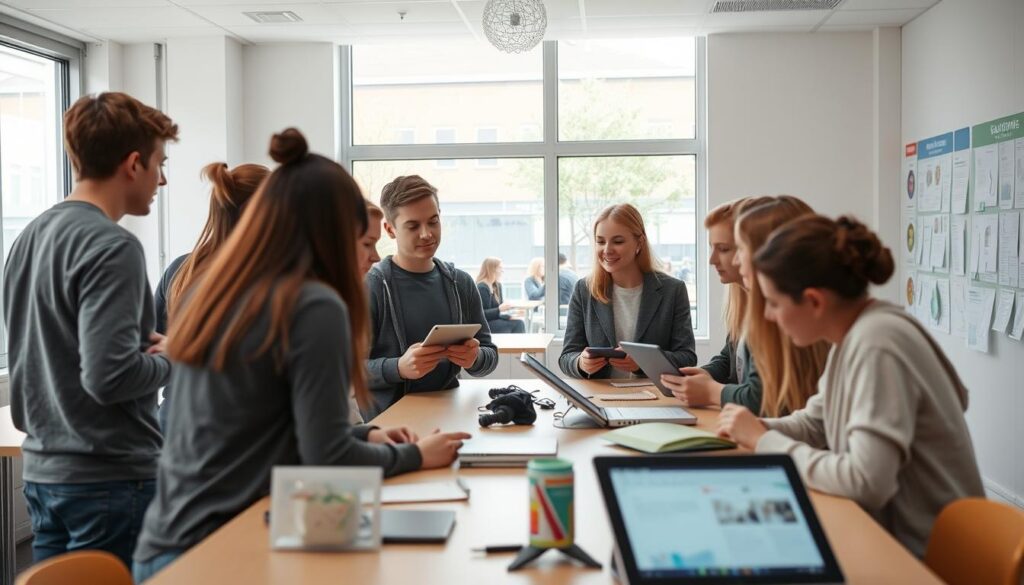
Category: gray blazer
[663,320]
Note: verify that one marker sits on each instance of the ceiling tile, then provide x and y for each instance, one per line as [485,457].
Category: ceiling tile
[80,4]
[387,12]
[133,17]
[142,34]
[234,15]
[886,4]
[642,22]
[761,19]
[645,7]
[873,17]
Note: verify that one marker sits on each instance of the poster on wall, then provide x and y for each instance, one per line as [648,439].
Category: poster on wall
[980,303]
[961,174]
[909,183]
[958,245]
[911,293]
[1019,177]
[995,162]
[1006,174]
[934,173]
[910,241]
[1009,261]
[938,306]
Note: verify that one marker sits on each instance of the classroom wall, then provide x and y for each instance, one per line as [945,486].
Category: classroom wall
[801,114]
[963,64]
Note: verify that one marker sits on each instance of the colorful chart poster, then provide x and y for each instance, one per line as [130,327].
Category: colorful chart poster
[909,183]
[935,173]
[995,159]
[911,240]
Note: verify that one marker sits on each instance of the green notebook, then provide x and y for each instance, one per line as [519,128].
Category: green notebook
[660,437]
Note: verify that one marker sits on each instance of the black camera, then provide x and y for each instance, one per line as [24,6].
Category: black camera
[510,405]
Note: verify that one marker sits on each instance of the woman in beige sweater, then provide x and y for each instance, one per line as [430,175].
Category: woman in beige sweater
[886,428]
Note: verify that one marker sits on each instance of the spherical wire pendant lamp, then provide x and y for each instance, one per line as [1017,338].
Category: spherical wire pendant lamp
[514,26]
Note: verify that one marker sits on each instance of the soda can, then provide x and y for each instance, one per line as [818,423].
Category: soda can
[551,502]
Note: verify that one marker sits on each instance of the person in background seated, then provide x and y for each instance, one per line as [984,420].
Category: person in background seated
[85,363]
[730,376]
[264,348]
[887,427]
[625,298]
[411,292]
[232,189]
[534,282]
[488,282]
[566,280]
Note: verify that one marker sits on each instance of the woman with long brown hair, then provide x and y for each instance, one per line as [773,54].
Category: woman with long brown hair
[888,428]
[731,376]
[488,282]
[789,374]
[264,349]
[625,298]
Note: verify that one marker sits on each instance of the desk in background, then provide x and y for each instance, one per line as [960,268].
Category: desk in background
[496,513]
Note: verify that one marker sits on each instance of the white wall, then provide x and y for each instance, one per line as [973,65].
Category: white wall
[799,114]
[963,64]
[292,84]
[103,67]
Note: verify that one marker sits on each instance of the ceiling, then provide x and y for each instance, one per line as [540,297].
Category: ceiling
[374,21]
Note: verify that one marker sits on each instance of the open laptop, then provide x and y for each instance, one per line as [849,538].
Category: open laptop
[608,417]
[713,519]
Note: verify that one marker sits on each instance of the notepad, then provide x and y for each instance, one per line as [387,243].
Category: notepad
[659,437]
[428,491]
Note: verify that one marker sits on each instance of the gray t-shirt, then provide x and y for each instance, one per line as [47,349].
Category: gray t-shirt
[424,304]
[79,313]
[226,430]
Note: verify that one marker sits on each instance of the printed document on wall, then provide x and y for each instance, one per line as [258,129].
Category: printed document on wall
[1004,310]
[1019,180]
[980,302]
[958,245]
[909,184]
[961,177]
[1006,164]
[1017,331]
[958,307]
[911,240]
[1009,230]
[940,242]
[938,306]
[986,177]
[986,228]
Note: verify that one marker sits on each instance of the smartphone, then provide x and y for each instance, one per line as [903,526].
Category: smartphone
[606,352]
[451,334]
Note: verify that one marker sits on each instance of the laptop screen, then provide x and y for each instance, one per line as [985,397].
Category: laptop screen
[717,524]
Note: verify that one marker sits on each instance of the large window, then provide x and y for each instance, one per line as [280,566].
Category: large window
[35,88]
[526,149]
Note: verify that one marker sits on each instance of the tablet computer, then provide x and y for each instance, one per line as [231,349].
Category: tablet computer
[713,520]
[606,352]
[451,334]
[652,361]
[416,526]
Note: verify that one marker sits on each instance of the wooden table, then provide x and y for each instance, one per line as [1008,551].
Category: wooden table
[522,342]
[10,447]
[496,513]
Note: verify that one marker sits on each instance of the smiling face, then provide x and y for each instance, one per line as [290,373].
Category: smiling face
[417,229]
[616,246]
[723,251]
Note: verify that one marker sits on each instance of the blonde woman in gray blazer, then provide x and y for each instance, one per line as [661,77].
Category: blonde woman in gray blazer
[625,299]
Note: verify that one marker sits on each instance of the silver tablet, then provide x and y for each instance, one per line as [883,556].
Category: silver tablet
[451,334]
[652,361]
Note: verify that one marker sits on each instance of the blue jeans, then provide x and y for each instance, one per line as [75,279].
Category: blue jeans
[82,516]
[143,570]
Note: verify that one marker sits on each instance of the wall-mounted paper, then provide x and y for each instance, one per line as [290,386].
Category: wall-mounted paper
[911,239]
[925,286]
[958,245]
[980,302]
[939,306]
[958,307]
[1009,229]
[909,185]
[987,229]
[925,254]
[1004,310]
[1006,167]
[940,242]
[986,177]
[1019,181]
[1017,331]
[975,264]
[961,177]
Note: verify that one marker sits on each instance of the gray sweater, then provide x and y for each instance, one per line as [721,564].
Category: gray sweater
[744,389]
[886,428]
[79,313]
[388,328]
[228,429]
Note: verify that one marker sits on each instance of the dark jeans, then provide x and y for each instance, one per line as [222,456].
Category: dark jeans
[82,516]
[143,570]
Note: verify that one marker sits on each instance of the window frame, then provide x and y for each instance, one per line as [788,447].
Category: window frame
[550,149]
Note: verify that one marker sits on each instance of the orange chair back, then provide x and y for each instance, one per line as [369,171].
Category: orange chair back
[86,567]
[977,542]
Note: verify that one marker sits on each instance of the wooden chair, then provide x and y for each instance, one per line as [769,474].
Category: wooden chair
[977,542]
[86,567]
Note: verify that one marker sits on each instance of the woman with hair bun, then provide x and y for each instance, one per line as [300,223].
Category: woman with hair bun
[264,350]
[887,427]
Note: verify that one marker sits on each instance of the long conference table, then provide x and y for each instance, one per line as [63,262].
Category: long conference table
[496,513]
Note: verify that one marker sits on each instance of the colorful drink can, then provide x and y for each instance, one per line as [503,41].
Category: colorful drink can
[551,505]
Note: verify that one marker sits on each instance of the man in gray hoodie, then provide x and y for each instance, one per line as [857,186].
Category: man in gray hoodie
[412,291]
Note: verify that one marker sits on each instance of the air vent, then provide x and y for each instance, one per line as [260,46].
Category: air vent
[773,5]
[275,17]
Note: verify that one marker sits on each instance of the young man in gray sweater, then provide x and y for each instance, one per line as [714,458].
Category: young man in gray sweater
[85,365]
[411,292]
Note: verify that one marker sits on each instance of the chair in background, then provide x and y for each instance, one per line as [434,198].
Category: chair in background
[86,567]
[977,542]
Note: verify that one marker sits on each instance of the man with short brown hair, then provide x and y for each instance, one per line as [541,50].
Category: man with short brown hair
[85,364]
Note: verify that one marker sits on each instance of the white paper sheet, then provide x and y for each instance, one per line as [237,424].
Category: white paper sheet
[987,229]
[975,264]
[1006,164]
[939,306]
[986,177]
[980,302]
[426,491]
[1004,310]
[936,175]
[961,178]
[1019,181]
[958,245]
[925,254]
[925,285]
[958,307]
[1017,331]
[940,241]
[1009,261]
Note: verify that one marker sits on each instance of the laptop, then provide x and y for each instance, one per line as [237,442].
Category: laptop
[505,451]
[608,417]
[713,519]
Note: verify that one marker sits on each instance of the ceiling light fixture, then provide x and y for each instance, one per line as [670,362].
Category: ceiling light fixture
[514,26]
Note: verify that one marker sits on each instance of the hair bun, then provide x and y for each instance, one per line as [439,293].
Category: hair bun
[860,250]
[288,146]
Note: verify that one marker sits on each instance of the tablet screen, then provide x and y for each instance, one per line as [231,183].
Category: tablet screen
[714,523]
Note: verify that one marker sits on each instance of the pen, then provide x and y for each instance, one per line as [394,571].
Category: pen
[462,485]
[499,548]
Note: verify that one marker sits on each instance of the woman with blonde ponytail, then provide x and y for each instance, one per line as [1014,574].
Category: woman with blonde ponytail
[887,429]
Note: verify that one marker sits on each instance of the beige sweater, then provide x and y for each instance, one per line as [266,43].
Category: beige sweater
[886,428]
